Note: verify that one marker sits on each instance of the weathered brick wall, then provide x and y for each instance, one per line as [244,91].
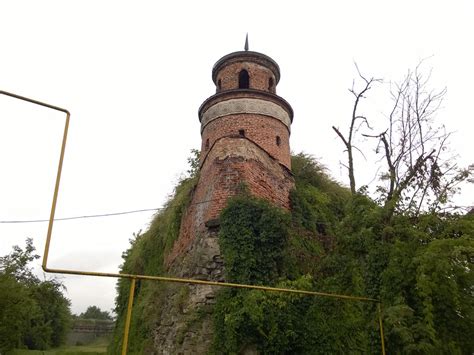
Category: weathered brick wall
[196,254]
[261,129]
[231,161]
[259,77]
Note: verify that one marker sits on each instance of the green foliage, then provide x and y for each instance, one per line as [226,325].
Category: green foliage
[16,305]
[193,162]
[94,312]
[146,256]
[16,263]
[428,288]
[51,322]
[420,268]
[252,237]
[33,313]
[333,241]
[325,198]
[270,322]
[282,323]
[261,244]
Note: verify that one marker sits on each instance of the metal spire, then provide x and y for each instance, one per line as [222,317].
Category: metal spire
[246,42]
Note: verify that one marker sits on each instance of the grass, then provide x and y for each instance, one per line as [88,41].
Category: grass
[97,347]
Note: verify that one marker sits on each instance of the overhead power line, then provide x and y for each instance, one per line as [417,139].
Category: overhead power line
[110,215]
[82,217]
[94,215]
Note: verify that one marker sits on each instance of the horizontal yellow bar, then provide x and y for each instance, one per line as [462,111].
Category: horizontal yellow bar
[36,102]
[211,283]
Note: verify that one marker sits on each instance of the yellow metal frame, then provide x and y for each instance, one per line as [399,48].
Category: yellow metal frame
[159,278]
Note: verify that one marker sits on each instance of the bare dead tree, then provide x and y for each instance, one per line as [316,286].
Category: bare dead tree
[419,174]
[357,120]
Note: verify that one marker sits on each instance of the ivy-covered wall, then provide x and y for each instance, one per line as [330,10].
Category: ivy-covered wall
[332,241]
[146,256]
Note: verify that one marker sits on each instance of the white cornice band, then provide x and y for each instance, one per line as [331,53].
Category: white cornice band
[245,105]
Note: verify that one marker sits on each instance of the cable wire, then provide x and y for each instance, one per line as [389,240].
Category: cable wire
[93,215]
[109,215]
[86,216]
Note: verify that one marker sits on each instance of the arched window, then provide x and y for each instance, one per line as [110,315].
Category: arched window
[278,140]
[242,132]
[244,79]
[270,85]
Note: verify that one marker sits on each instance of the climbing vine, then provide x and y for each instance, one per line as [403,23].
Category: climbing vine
[421,268]
[252,237]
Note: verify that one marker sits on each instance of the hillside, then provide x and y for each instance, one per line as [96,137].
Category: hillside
[332,241]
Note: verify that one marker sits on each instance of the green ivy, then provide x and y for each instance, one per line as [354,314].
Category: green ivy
[331,241]
[252,237]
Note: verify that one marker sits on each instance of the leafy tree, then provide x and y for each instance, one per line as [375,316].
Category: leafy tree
[16,306]
[94,312]
[16,263]
[411,248]
[33,313]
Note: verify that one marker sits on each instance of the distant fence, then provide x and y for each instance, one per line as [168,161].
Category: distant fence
[85,331]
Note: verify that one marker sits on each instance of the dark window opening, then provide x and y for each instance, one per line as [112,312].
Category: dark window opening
[270,85]
[244,79]
[241,132]
[207,143]
[278,140]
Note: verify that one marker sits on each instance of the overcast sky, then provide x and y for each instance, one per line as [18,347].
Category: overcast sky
[133,75]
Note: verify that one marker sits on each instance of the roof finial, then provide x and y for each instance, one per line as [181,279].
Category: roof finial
[246,42]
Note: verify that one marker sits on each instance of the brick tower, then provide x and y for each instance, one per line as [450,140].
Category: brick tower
[245,129]
[246,106]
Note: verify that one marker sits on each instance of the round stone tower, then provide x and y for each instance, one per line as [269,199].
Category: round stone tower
[246,105]
[245,129]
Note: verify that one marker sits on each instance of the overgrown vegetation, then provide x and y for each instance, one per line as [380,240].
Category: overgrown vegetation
[420,267]
[280,323]
[146,256]
[34,314]
[252,237]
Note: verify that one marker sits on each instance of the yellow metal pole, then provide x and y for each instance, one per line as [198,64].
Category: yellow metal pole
[60,165]
[149,277]
[129,317]
[379,311]
[55,195]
